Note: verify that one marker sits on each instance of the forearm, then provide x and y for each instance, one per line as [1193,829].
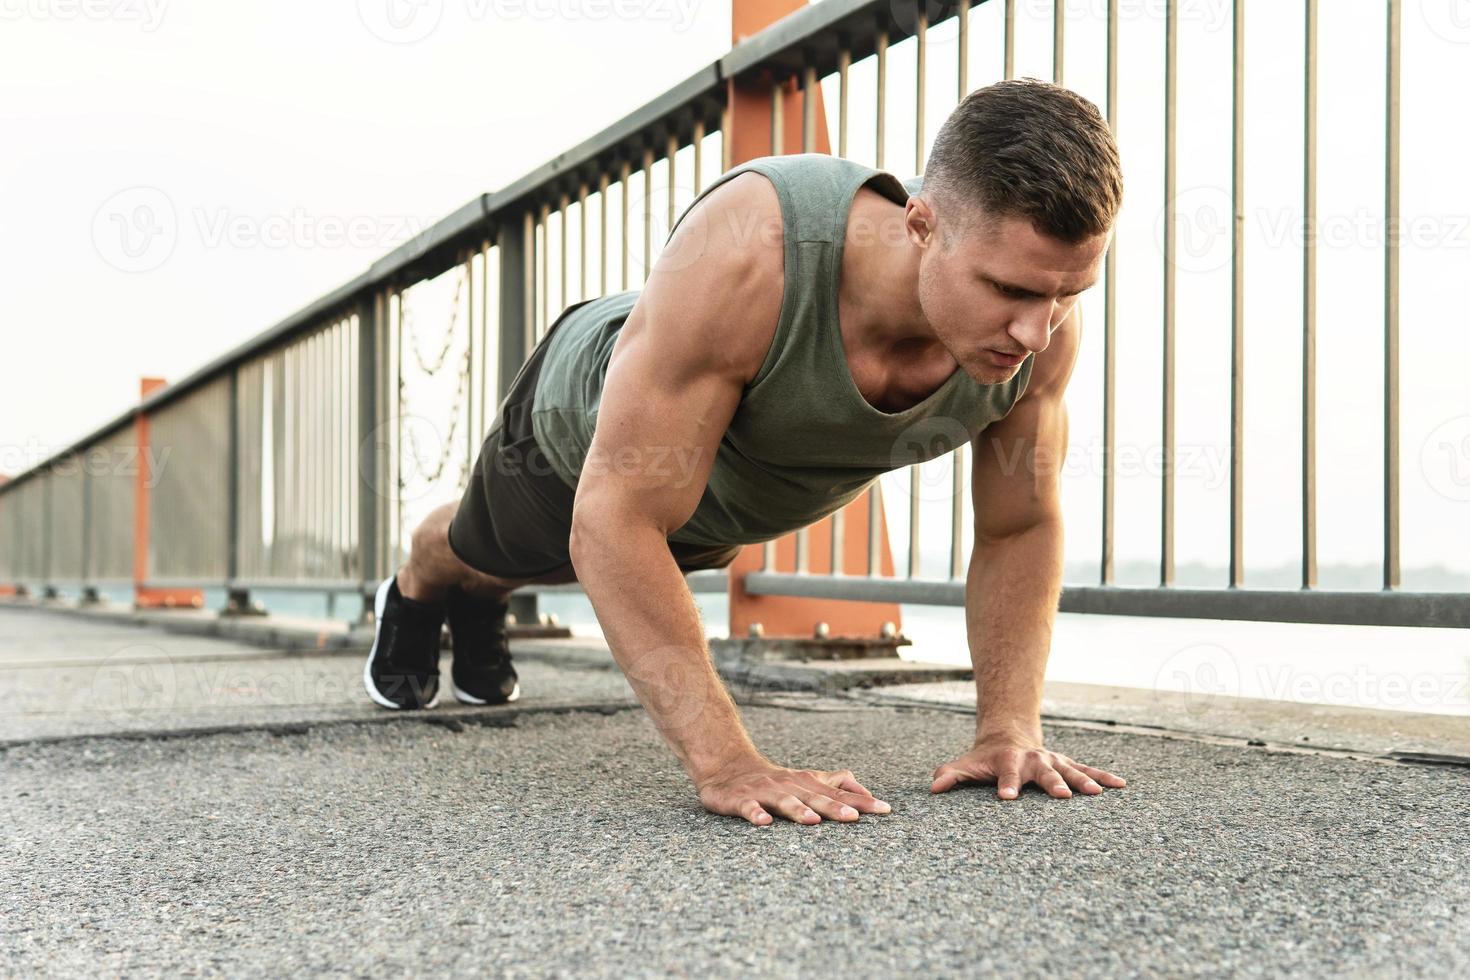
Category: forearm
[653,628]
[1011,595]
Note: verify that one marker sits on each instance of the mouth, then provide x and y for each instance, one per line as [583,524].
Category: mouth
[1005,360]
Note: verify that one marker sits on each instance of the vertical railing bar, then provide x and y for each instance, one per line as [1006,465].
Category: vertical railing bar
[808,102]
[565,205]
[671,153]
[626,180]
[647,211]
[1059,40]
[315,494]
[1010,39]
[544,261]
[232,477]
[1391,510]
[86,573]
[471,428]
[778,121]
[1171,157]
[964,49]
[874,541]
[581,241]
[725,149]
[323,491]
[844,63]
[768,557]
[880,52]
[803,550]
[1237,302]
[1110,330]
[395,490]
[913,569]
[698,182]
[838,541]
[367,405]
[957,514]
[1309,307]
[602,232]
[528,296]
[921,41]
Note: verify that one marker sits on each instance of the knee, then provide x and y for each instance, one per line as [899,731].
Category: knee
[432,534]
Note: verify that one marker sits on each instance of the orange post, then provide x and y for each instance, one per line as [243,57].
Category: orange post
[144,597]
[749,136]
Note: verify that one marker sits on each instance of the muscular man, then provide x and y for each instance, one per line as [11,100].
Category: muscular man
[808,316]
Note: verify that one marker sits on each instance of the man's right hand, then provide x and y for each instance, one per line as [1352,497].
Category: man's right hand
[755,790]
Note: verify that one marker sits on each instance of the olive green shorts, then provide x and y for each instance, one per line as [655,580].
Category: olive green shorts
[515,518]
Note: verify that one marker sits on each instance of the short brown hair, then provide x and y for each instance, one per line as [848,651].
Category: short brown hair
[1028,148]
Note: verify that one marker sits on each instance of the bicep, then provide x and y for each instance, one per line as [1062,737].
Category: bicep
[659,426]
[696,335]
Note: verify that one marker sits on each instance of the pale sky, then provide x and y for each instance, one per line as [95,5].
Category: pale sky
[267,127]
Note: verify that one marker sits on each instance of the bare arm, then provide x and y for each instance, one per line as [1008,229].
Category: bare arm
[699,332]
[1014,582]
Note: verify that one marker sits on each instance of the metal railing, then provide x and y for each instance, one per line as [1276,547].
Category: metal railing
[299,458]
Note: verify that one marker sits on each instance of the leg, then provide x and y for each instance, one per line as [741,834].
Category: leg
[433,567]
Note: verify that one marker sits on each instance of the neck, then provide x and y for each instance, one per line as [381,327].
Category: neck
[879,283]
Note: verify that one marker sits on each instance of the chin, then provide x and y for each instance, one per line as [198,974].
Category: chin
[989,374]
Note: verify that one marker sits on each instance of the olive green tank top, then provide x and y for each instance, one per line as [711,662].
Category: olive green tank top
[803,442]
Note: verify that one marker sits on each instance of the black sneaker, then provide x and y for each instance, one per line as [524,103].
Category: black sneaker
[402,669]
[481,672]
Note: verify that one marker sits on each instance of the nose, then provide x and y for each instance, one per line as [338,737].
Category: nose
[1032,329]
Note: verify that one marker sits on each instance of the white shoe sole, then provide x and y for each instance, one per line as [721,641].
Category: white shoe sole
[380,600]
[515,693]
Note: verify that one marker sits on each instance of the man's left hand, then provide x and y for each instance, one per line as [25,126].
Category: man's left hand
[1011,762]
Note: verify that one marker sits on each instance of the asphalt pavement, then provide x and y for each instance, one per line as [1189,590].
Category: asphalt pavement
[262,820]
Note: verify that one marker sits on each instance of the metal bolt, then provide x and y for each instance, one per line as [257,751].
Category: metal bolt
[822,630]
[551,619]
[756,631]
[889,631]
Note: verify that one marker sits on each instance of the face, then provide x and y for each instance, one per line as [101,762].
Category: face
[998,286]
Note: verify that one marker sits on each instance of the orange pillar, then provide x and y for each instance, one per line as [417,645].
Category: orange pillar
[144,597]
[749,136]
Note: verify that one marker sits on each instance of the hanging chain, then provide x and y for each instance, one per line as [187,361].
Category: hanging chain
[413,339]
[411,439]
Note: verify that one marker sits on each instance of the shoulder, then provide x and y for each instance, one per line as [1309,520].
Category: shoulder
[720,279]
